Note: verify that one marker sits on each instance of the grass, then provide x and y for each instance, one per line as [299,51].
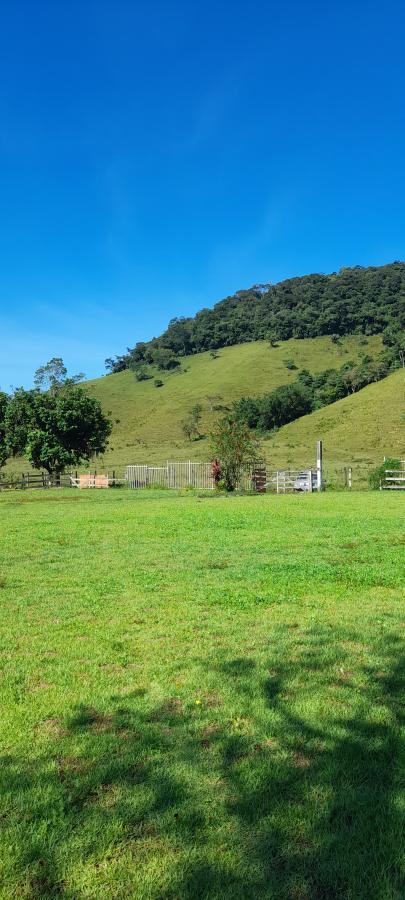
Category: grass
[147,420]
[201,696]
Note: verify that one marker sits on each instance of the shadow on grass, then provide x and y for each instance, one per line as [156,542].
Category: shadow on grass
[307,813]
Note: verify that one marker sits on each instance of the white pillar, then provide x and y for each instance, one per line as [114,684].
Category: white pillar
[319,465]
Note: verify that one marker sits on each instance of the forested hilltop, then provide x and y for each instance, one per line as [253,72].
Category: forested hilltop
[356,300]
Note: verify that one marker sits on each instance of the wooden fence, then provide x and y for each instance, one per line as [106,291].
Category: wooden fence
[34,480]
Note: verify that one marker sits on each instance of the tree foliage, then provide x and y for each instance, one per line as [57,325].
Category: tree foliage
[3,443]
[233,446]
[57,428]
[356,300]
[191,425]
[53,376]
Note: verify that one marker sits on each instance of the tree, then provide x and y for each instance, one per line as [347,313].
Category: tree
[53,376]
[234,446]
[141,373]
[56,430]
[3,442]
[189,429]
[165,359]
[190,426]
[195,414]
[19,415]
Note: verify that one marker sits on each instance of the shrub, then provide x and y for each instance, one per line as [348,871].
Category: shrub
[142,374]
[158,382]
[377,475]
[233,446]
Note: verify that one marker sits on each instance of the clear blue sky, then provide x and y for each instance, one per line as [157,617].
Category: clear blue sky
[155,157]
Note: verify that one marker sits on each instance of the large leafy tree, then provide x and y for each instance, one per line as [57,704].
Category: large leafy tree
[234,446]
[56,430]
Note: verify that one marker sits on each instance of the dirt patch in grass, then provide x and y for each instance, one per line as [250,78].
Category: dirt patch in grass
[72,765]
[39,686]
[208,733]
[173,706]
[344,676]
[211,699]
[51,727]
[300,761]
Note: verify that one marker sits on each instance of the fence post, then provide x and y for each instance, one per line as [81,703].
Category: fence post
[310,481]
[277,482]
[350,478]
[319,472]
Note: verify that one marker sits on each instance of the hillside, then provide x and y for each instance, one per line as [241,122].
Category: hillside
[357,431]
[149,426]
[354,300]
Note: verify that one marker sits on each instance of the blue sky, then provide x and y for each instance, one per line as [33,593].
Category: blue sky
[155,157]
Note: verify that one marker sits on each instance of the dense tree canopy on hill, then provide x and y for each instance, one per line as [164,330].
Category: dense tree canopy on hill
[367,300]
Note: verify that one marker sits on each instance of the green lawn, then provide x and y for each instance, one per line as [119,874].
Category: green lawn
[200,696]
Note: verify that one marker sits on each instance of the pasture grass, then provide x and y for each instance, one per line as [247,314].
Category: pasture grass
[201,696]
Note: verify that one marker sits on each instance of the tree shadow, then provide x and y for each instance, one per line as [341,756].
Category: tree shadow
[303,811]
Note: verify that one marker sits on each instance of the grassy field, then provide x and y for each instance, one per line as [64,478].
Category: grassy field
[201,696]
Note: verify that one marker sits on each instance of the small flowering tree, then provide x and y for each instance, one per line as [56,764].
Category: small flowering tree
[216,472]
[233,446]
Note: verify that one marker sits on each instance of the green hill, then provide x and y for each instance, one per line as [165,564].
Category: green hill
[354,300]
[357,431]
[149,418]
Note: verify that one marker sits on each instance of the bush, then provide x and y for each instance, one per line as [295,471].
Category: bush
[158,382]
[142,374]
[377,475]
[233,447]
